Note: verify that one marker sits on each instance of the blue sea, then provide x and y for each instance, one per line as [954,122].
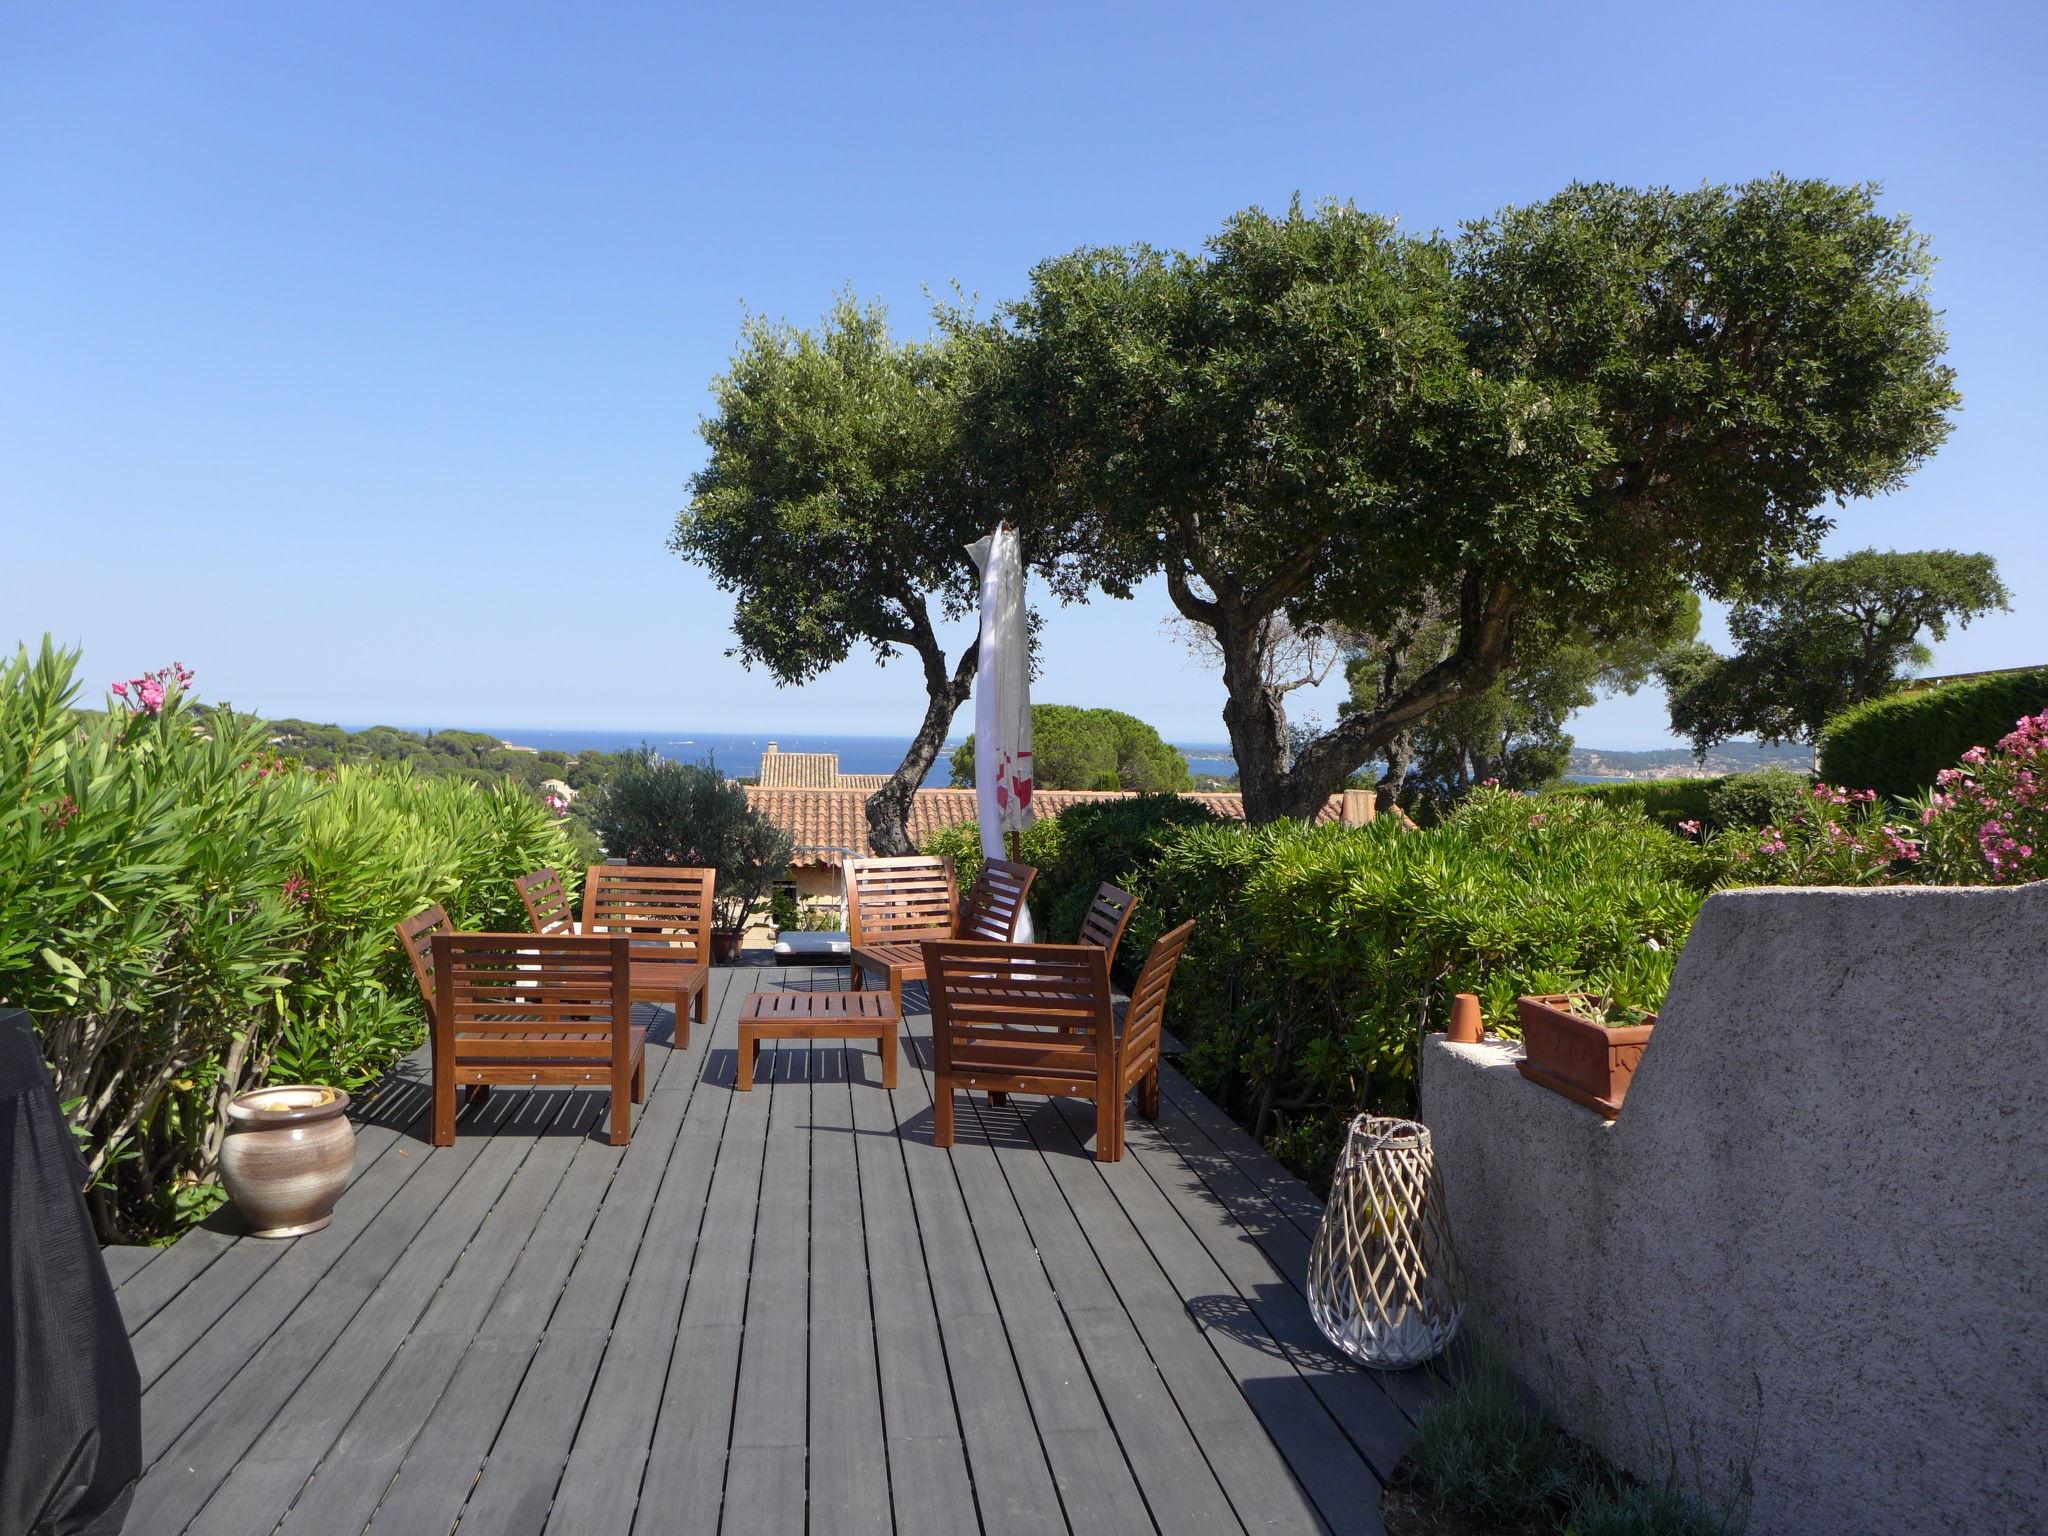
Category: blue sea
[740,755]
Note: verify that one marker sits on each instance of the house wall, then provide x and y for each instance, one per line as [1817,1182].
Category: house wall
[817,885]
[1809,1262]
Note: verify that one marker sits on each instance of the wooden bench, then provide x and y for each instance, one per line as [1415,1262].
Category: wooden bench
[895,905]
[817,1016]
[666,913]
[535,1010]
[1040,1018]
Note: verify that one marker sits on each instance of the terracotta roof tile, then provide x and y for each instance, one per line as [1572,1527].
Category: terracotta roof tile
[822,821]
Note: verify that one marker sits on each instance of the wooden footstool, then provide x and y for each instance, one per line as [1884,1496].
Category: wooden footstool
[817,1016]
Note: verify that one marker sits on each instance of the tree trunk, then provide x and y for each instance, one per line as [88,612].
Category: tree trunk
[1386,796]
[889,806]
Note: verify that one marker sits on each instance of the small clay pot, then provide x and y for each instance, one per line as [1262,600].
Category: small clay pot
[1467,1028]
[287,1156]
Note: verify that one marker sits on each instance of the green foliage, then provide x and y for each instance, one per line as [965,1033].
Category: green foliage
[1665,801]
[658,811]
[1091,749]
[1766,797]
[1897,745]
[1078,850]
[1572,409]
[1484,1452]
[1815,639]
[1323,953]
[183,914]
[1639,1509]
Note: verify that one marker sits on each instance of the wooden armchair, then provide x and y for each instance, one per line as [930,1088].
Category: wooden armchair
[666,913]
[546,902]
[535,1009]
[1040,1018]
[1109,914]
[895,905]
[416,933]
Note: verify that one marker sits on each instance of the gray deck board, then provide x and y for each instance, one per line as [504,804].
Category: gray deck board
[776,1311]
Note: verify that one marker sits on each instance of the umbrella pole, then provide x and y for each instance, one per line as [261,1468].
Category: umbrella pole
[1016,846]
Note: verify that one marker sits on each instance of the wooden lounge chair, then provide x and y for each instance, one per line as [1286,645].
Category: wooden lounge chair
[666,912]
[895,905]
[1040,1018]
[1109,914]
[546,902]
[535,1009]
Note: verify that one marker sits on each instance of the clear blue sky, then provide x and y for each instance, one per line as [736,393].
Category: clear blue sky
[353,354]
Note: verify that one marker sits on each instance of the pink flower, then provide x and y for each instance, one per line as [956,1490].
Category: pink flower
[1689,828]
[297,891]
[120,690]
[1975,756]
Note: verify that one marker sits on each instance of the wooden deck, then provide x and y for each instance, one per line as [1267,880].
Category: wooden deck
[776,1311]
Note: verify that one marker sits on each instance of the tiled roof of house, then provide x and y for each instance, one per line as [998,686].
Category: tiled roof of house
[830,819]
[812,770]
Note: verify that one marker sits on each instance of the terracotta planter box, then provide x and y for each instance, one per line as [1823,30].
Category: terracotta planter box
[1587,1062]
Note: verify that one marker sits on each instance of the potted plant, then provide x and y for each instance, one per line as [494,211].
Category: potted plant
[1577,1044]
[689,815]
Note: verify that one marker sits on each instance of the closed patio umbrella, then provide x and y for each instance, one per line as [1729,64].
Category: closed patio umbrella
[1002,701]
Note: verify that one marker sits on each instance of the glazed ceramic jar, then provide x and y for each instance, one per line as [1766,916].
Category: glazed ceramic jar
[287,1155]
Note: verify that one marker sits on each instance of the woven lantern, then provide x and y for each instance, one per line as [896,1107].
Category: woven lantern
[1383,1280]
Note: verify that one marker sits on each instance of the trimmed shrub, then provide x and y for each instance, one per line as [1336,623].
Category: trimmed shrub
[1896,745]
[657,811]
[1763,798]
[1665,801]
[1323,954]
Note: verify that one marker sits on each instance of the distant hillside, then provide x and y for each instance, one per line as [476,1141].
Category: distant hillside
[1679,763]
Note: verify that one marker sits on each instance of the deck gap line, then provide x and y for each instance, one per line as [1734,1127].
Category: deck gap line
[952,1164]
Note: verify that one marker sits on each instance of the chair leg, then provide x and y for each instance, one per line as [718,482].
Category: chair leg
[622,1109]
[856,977]
[1148,1095]
[1109,1125]
[703,992]
[444,1113]
[640,1081]
[476,1093]
[896,993]
[996,1100]
[888,1050]
[942,1113]
[682,1011]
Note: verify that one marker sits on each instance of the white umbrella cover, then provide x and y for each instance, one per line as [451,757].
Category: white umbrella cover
[1002,698]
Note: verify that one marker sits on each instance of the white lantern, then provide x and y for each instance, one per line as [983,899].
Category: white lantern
[1383,1280]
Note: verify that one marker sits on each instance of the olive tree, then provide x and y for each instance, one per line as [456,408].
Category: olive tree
[1565,412]
[837,506]
[1815,639]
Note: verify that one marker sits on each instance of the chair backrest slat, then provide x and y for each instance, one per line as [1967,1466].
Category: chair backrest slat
[546,901]
[1109,914]
[1145,1013]
[539,995]
[416,933]
[895,898]
[995,907]
[652,902]
[1049,995]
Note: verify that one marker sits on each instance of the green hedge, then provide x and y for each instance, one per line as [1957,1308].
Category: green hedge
[1665,801]
[1896,745]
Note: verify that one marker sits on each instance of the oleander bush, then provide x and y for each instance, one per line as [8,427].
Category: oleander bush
[184,915]
[1897,744]
[1665,801]
[1762,798]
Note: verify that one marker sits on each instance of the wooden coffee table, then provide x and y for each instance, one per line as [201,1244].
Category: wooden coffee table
[817,1016]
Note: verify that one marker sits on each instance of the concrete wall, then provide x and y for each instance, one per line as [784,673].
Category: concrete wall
[1810,1259]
